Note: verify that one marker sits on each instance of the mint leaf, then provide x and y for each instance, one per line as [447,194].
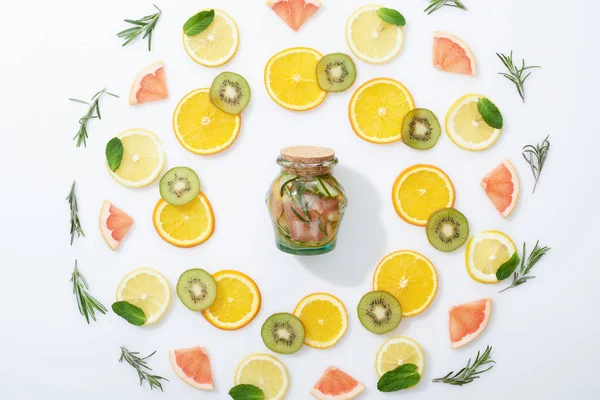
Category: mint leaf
[114,153]
[391,16]
[402,377]
[198,23]
[508,267]
[132,314]
[246,392]
[490,113]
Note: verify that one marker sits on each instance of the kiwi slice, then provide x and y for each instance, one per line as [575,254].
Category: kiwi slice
[283,333]
[196,289]
[336,72]
[420,129]
[179,186]
[447,229]
[379,312]
[230,92]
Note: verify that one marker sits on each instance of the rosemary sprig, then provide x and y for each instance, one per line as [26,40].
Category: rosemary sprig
[469,373]
[75,224]
[536,157]
[86,303]
[142,368]
[92,112]
[145,25]
[515,74]
[522,275]
[435,5]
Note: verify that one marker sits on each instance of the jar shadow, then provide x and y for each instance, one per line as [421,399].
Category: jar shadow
[361,238]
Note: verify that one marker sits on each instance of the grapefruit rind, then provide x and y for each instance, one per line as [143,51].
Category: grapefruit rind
[106,232]
[334,375]
[514,180]
[456,40]
[181,374]
[468,338]
[294,19]
[137,84]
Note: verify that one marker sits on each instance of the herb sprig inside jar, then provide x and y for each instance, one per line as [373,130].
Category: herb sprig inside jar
[305,201]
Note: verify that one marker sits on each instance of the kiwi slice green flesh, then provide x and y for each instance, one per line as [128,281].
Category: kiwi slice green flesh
[179,186]
[421,129]
[283,333]
[379,312]
[447,229]
[196,289]
[336,72]
[230,92]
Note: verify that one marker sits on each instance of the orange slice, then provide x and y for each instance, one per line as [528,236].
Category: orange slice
[501,185]
[193,367]
[150,85]
[325,319]
[467,321]
[377,108]
[294,12]
[452,54]
[114,224]
[184,226]
[237,303]
[421,190]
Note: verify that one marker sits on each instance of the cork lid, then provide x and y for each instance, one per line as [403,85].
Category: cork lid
[307,154]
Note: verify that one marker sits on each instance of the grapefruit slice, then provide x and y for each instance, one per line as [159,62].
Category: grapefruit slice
[294,12]
[193,367]
[150,85]
[114,224]
[336,384]
[451,54]
[501,185]
[468,320]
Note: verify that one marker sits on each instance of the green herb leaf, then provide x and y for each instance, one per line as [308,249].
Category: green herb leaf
[391,16]
[198,23]
[490,113]
[508,267]
[402,377]
[246,392]
[132,314]
[114,153]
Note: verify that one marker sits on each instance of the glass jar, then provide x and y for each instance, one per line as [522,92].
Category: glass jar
[306,203]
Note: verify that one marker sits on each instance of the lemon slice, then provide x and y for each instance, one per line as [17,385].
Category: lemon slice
[324,318]
[371,39]
[266,372]
[397,351]
[466,127]
[217,44]
[143,158]
[147,289]
[486,252]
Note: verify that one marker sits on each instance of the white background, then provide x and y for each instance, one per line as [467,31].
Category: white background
[544,334]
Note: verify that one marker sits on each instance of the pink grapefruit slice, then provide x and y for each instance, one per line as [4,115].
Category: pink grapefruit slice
[335,384]
[468,320]
[150,85]
[451,54]
[294,12]
[193,367]
[501,185]
[114,224]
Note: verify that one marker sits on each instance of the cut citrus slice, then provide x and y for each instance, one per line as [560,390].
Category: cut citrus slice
[150,85]
[201,127]
[501,185]
[377,109]
[263,371]
[335,384]
[486,252]
[410,277]
[398,351]
[237,303]
[193,367]
[325,319]
[468,320]
[114,224]
[371,39]
[421,190]
[294,12]
[143,158]
[291,79]
[184,226]
[452,54]
[147,289]
[465,125]
[217,44]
